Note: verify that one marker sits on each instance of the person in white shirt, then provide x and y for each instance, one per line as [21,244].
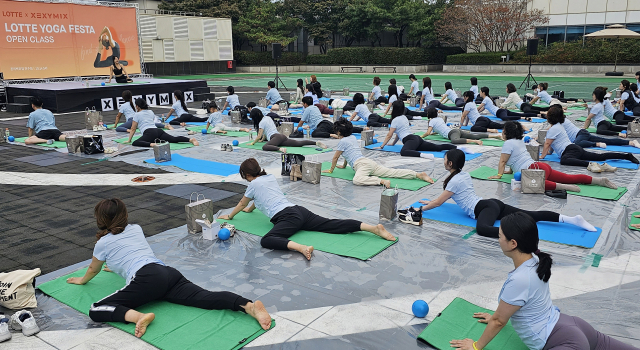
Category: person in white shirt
[457,136]
[471,115]
[376,92]
[474,89]
[543,95]
[513,100]
[427,93]
[182,112]
[362,112]
[215,119]
[144,119]
[232,101]
[414,90]
[612,112]
[128,110]
[603,126]
[451,95]
[268,131]
[288,218]
[297,101]
[629,98]
[504,114]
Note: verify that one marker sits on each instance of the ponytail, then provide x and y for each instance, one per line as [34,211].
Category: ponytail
[456,158]
[522,228]
[544,265]
[446,181]
[251,167]
[127,96]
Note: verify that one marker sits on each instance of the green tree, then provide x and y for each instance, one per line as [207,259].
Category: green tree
[357,24]
[266,22]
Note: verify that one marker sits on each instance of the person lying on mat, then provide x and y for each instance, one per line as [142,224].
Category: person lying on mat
[515,155]
[504,114]
[41,125]
[287,218]
[125,249]
[215,119]
[265,111]
[144,120]
[128,110]
[363,112]
[471,115]
[400,129]
[368,172]
[318,126]
[268,131]
[459,187]
[603,126]
[525,299]
[572,154]
[179,108]
[457,136]
[451,95]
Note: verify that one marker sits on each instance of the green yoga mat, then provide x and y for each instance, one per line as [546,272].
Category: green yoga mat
[348,173]
[174,146]
[456,322]
[590,191]
[584,119]
[175,326]
[56,144]
[634,221]
[360,245]
[229,133]
[485,142]
[305,151]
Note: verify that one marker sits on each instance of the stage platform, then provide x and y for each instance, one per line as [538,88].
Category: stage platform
[75,96]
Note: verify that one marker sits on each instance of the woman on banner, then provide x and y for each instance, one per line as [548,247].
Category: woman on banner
[106,41]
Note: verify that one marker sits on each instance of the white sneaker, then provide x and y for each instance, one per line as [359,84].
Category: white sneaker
[50,142]
[594,167]
[4,329]
[23,320]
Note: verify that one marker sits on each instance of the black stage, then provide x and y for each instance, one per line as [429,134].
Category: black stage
[75,96]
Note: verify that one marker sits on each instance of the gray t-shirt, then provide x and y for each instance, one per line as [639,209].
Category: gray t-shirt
[215,118]
[363,112]
[350,148]
[598,110]
[571,129]
[559,137]
[519,156]
[440,127]
[402,126]
[145,119]
[473,112]
[268,126]
[267,196]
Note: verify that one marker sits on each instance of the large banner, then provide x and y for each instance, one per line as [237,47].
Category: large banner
[46,40]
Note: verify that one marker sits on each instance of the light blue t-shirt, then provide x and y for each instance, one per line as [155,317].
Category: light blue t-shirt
[233,101]
[312,116]
[428,95]
[273,96]
[264,110]
[519,156]
[544,96]
[473,114]
[474,89]
[127,110]
[451,95]
[363,112]
[145,119]
[267,196]
[489,106]
[41,119]
[350,148]
[463,193]
[177,108]
[559,137]
[126,252]
[402,126]
[392,99]
[537,315]
[609,110]
[415,87]
[268,126]
[571,129]
[598,110]
[215,118]
[313,96]
[377,92]
[440,127]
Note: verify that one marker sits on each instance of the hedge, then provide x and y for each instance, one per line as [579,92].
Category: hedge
[254,58]
[476,58]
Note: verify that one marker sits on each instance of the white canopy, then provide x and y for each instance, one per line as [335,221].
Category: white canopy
[614,31]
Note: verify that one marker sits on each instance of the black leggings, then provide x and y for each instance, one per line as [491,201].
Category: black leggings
[437,104]
[416,113]
[350,106]
[381,99]
[413,144]
[606,128]
[576,155]
[459,102]
[572,332]
[290,220]
[279,140]
[376,120]
[325,129]
[150,135]
[483,124]
[186,117]
[506,114]
[621,118]
[528,108]
[155,282]
[487,211]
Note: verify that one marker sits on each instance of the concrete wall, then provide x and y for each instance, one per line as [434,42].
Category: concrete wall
[336,69]
[538,68]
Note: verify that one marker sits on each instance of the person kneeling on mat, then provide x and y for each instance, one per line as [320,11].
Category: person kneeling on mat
[42,125]
[286,217]
[144,120]
[368,172]
[125,250]
[525,299]
[515,155]
[268,131]
[457,136]
[215,119]
[459,187]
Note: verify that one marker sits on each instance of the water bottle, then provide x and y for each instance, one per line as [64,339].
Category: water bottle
[6,133]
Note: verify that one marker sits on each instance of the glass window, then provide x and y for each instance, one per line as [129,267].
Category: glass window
[555,34]
[574,33]
[541,33]
[635,27]
[592,29]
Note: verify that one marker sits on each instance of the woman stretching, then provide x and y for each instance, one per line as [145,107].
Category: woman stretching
[393,96]
[459,187]
[471,115]
[118,71]
[504,114]
[215,119]
[267,130]
[376,92]
[182,112]
[287,218]
[604,127]
[457,136]
[427,93]
[363,112]
[544,96]
[629,99]
[368,172]
[125,250]
[144,120]
[572,154]
[232,100]
[525,299]
[451,95]
[611,112]
[412,144]
[297,101]
[515,155]
[128,110]
[585,139]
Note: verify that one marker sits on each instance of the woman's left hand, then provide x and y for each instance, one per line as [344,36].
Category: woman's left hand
[495,177]
[379,147]
[464,344]
[224,217]
[75,280]
[424,201]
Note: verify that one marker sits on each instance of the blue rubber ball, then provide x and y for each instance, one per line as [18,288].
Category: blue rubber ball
[224,234]
[375,140]
[527,139]
[235,142]
[300,129]
[103,84]
[420,308]
[517,176]
[204,131]
[624,131]
[11,138]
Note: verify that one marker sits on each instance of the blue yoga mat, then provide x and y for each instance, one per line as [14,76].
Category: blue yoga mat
[547,231]
[619,163]
[398,148]
[198,165]
[629,113]
[359,122]
[616,148]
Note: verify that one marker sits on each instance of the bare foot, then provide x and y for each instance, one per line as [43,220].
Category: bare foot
[635,225]
[635,143]
[424,177]
[601,144]
[385,183]
[183,124]
[169,127]
[305,250]
[106,269]
[143,322]
[283,150]
[624,136]
[259,312]
[194,142]
[382,232]
[152,144]
[478,142]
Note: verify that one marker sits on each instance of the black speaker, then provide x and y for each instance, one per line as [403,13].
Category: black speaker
[532,47]
[277,51]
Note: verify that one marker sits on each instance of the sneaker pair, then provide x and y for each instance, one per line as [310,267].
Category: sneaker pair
[226,147]
[597,168]
[22,320]
[410,216]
